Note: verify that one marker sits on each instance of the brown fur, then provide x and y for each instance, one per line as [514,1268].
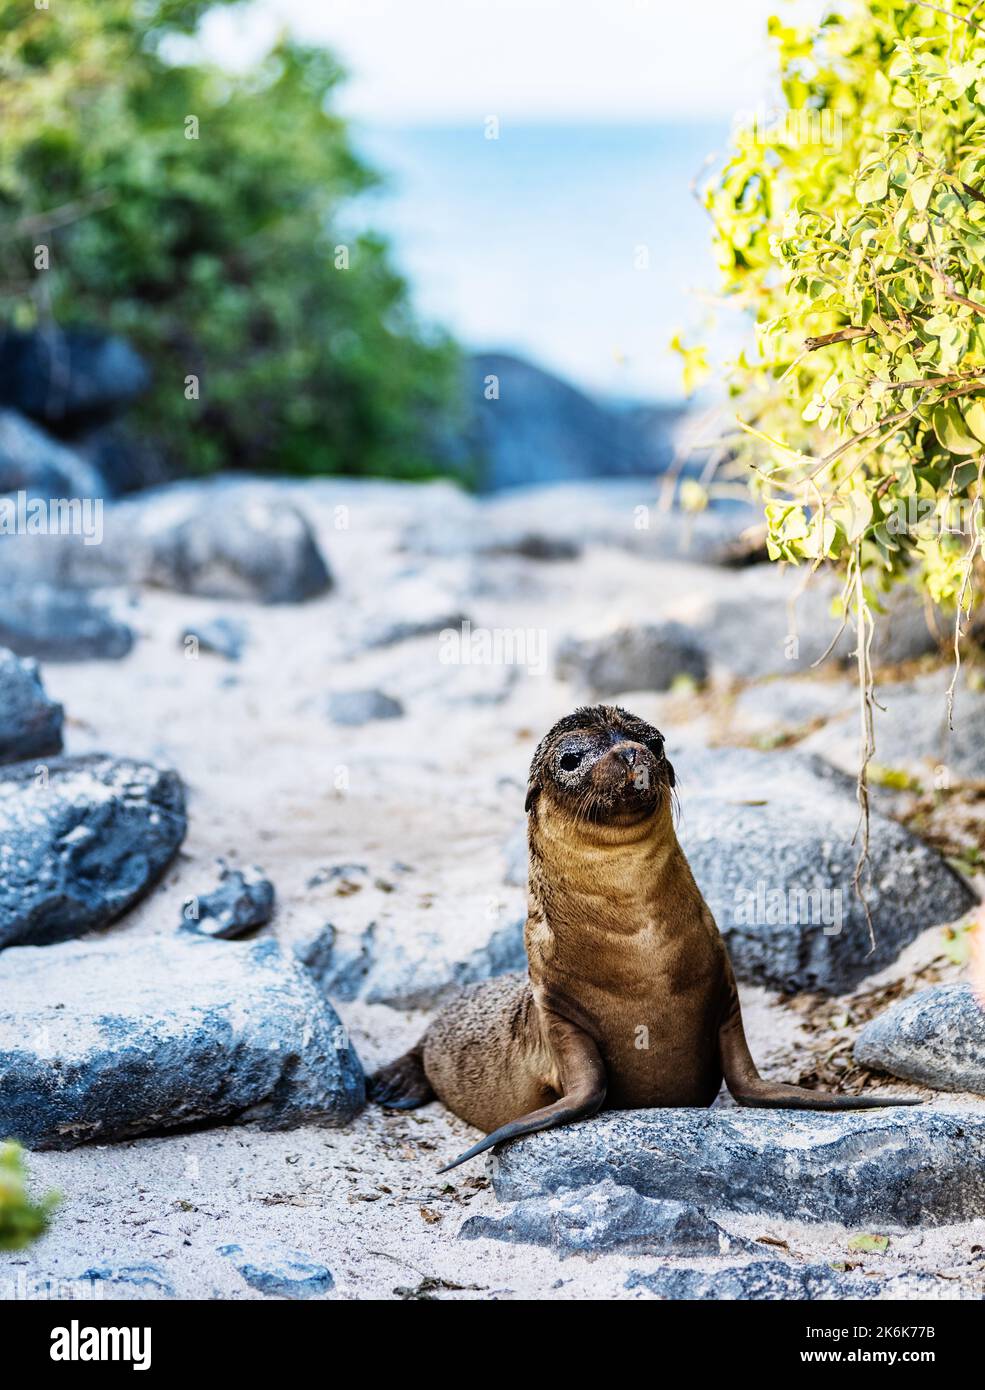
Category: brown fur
[630,999]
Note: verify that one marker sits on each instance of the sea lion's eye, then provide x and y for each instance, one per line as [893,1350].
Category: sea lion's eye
[570,761]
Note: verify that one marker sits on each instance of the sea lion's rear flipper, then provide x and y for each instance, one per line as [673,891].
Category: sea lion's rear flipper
[401,1085]
[747,1087]
[583,1083]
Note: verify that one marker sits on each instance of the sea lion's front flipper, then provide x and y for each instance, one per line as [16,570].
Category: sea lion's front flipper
[582,1077]
[747,1087]
[403,1084]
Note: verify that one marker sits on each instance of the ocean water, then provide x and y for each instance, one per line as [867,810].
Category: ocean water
[581,247]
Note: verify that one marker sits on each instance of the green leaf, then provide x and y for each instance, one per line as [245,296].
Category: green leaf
[917,229]
[895,777]
[21,1218]
[693,497]
[958,940]
[950,428]
[695,365]
[963,476]
[974,418]
[854,515]
[873,1245]
[873,186]
[920,190]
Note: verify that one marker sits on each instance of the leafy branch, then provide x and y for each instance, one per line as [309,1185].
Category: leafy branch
[858,246]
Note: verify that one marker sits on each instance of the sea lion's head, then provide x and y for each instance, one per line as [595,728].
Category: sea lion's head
[604,765]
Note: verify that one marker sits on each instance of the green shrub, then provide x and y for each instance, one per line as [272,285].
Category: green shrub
[20,1218]
[222,257]
[851,225]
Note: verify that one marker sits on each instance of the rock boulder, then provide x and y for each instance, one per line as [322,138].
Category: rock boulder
[906,1167]
[80,842]
[105,1040]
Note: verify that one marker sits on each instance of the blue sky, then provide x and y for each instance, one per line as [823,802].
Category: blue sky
[447,61]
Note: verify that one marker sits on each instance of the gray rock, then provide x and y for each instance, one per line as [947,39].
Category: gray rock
[769,837]
[936,1037]
[532,545]
[902,631]
[30,723]
[604,1217]
[516,854]
[778,1280]
[616,513]
[240,904]
[34,463]
[69,377]
[911,732]
[353,707]
[126,456]
[278,1271]
[388,631]
[419,973]
[223,636]
[341,963]
[138,1276]
[791,705]
[216,539]
[713,537]
[410,966]
[541,429]
[347,873]
[649,657]
[375,506]
[904,1167]
[752,627]
[104,1040]
[227,547]
[82,844]
[53,624]
[483,536]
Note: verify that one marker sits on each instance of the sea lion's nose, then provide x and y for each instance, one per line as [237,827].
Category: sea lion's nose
[627,753]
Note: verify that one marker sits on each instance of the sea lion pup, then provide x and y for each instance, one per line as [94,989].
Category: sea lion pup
[630,1000]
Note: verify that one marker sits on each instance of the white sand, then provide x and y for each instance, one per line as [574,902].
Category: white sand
[426,803]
